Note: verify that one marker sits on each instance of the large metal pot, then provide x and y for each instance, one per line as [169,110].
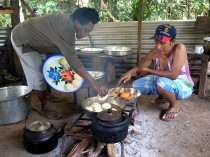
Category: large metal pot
[111,126]
[119,103]
[41,137]
[117,51]
[14,103]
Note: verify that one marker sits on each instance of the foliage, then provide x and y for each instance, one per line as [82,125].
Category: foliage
[44,7]
[5,20]
[122,10]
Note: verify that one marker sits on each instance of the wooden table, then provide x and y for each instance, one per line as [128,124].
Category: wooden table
[105,63]
[204,68]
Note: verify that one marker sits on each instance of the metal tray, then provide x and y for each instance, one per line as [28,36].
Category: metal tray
[91,50]
[117,50]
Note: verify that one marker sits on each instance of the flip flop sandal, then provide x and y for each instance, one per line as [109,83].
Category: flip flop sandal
[169,113]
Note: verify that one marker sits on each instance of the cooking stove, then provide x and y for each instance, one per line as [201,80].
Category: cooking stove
[84,122]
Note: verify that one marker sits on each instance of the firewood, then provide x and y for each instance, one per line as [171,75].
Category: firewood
[79,148]
[90,149]
[74,130]
[110,150]
[99,148]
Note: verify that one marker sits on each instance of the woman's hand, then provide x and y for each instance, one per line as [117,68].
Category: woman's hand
[125,77]
[142,72]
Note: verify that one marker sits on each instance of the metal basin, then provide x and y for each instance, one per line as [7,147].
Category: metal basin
[14,103]
[136,92]
[117,51]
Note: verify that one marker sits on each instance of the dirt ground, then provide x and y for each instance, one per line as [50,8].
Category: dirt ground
[186,136]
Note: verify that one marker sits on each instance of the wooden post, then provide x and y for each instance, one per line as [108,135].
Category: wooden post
[203,77]
[140,19]
[15,17]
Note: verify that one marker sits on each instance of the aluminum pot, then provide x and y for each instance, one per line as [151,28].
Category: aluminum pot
[14,103]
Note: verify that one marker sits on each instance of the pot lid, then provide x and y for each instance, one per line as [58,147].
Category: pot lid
[39,126]
[109,115]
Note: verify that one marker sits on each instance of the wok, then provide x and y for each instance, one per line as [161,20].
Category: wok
[119,104]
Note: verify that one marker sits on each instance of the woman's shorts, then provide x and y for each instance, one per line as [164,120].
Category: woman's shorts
[31,63]
[148,85]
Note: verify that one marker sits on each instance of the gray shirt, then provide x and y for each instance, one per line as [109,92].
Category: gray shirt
[48,34]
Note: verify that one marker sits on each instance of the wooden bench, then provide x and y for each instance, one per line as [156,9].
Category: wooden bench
[203,70]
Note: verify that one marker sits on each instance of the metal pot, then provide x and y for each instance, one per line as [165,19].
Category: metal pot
[111,126]
[117,51]
[119,104]
[206,45]
[41,137]
[14,103]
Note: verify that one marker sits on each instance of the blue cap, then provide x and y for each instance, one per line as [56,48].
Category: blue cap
[165,33]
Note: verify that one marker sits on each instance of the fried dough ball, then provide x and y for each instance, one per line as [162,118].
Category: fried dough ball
[124,95]
[77,83]
[77,77]
[106,106]
[69,87]
[127,95]
[68,66]
[113,94]
[98,109]
[63,61]
[95,104]
[89,108]
[116,92]
[131,96]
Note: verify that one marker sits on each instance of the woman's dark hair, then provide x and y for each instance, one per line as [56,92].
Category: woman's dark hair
[86,15]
